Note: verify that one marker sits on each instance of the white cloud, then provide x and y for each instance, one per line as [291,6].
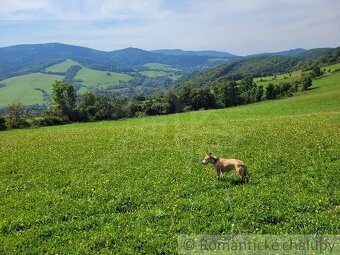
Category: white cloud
[21,9]
[242,26]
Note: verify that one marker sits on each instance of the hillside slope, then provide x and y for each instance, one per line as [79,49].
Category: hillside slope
[132,186]
[36,88]
[265,65]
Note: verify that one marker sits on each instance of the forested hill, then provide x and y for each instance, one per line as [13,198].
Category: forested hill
[264,65]
[211,53]
[23,59]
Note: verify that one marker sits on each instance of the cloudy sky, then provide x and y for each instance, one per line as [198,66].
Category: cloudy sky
[236,26]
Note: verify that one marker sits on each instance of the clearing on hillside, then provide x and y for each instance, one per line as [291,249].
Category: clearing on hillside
[62,67]
[24,88]
[100,79]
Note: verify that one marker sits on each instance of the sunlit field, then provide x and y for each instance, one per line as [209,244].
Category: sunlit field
[132,186]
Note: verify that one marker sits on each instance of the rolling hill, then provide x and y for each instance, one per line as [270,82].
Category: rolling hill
[23,59]
[211,53]
[75,188]
[35,88]
[291,52]
[27,72]
[28,89]
[264,65]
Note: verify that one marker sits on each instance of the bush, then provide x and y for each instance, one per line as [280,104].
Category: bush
[306,83]
[187,108]
[17,117]
[140,114]
[3,123]
[48,121]
[270,92]
[22,123]
[202,99]
[316,72]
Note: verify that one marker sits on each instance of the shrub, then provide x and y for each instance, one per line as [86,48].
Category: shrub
[316,72]
[187,108]
[270,92]
[202,99]
[3,123]
[17,116]
[306,83]
[47,121]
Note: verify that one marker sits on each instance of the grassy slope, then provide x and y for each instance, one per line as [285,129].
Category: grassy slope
[157,66]
[132,186]
[22,88]
[161,70]
[160,67]
[154,73]
[332,68]
[264,81]
[62,67]
[158,73]
[277,79]
[93,78]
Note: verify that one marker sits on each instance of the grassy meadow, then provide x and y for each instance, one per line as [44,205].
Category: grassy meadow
[100,79]
[160,67]
[161,70]
[154,73]
[132,186]
[277,79]
[62,67]
[292,76]
[23,88]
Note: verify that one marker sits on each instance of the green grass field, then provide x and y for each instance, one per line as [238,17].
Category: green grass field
[160,67]
[277,79]
[161,70]
[22,88]
[331,68]
[91,78]
[100,79]
[154,73]
[288,77]
[132,186]
[61,67]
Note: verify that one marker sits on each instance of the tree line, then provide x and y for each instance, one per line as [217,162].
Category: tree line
[67,106]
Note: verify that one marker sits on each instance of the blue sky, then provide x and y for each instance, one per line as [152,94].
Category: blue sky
[236,26]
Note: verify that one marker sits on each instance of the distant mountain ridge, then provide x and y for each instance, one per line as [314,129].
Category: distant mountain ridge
[291,52]
[30,58]
[205,53]
[221,54]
